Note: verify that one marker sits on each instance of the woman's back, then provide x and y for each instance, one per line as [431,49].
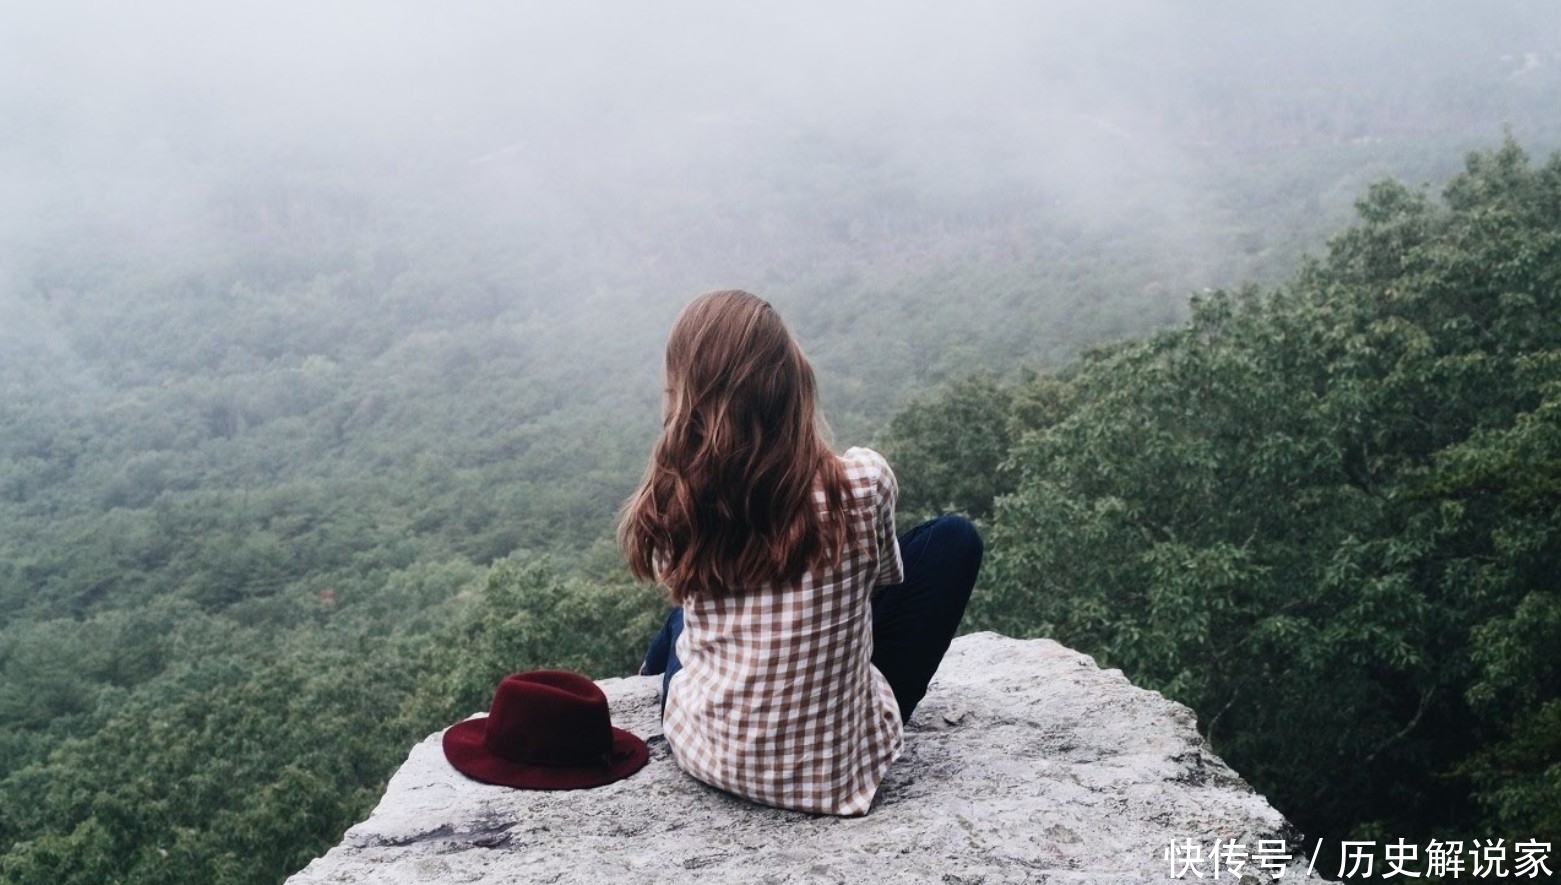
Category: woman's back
[777,699]
[785,681]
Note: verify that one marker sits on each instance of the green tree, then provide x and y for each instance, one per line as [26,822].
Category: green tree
[1325,515]
[947,449]
[527,617]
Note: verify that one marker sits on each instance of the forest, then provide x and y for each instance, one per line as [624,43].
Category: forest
[315,415]
[1325,514]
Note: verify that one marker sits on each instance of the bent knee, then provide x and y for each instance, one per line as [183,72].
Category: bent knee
[958,534]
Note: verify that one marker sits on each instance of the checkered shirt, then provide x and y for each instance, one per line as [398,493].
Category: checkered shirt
[777,700]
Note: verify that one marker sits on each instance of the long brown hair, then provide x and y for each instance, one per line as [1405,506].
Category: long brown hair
[727,502]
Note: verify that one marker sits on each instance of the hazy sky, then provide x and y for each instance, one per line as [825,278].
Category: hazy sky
[485,76]
[136,114]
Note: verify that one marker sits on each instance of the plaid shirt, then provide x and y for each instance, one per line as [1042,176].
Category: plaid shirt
[777,700]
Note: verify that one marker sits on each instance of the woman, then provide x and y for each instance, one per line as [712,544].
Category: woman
[805,632]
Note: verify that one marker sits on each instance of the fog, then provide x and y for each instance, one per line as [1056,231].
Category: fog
[127,111]
[310,312]
[649,151]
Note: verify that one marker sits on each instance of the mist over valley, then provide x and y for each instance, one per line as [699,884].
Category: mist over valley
[330,343]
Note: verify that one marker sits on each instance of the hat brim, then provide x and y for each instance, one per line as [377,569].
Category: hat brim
[464,748]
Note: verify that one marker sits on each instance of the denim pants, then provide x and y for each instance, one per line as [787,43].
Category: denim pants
[913,621]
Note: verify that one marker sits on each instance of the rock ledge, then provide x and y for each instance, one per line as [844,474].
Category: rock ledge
[1025,763]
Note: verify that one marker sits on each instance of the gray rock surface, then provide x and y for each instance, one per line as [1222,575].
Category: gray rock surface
[1025,763]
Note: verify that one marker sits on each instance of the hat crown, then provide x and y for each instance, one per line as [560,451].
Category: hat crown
[549,717]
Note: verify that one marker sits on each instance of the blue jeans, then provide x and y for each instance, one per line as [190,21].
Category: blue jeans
[913,621]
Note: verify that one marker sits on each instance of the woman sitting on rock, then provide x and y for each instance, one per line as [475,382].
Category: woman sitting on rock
[805,632]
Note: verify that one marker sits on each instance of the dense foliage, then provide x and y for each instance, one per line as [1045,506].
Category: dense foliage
[291,473]
[285,492]
[1326,515]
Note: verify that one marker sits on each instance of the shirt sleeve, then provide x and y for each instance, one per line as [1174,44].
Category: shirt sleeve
[890,568]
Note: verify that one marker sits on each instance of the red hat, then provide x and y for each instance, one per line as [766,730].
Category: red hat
[547,730]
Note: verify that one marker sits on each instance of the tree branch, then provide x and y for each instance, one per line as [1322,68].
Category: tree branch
[1425,703]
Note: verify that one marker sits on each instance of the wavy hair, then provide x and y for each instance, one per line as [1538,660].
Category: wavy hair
[727,502]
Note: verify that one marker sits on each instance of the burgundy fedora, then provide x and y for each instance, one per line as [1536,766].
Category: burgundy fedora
[546,730]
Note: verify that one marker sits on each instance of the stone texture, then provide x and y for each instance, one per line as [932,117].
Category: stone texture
[1025,763]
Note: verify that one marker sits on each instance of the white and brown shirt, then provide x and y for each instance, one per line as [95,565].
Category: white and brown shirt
[777,700]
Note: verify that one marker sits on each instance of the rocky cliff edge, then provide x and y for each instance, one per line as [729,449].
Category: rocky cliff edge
[1025,763]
